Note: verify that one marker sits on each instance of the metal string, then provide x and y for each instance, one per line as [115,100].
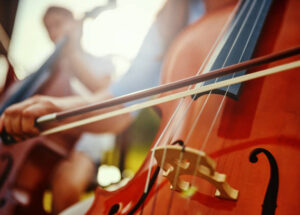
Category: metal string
[220,36]
[223,99]
[218,39]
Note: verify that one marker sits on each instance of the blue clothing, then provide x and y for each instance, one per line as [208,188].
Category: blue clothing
[144,71]
[146,68]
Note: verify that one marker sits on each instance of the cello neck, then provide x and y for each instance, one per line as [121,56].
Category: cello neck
[238,43]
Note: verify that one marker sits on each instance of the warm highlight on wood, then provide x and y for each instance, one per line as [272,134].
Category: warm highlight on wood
[177,161]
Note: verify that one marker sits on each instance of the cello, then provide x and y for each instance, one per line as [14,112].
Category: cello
[212,140]
[242,141]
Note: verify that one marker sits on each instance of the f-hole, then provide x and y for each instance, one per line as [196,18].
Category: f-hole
[269,204]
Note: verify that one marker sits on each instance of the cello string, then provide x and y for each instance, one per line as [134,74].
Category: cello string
[206,100]
[223,31]
[208,96]
[228,87]
[224,96]
[202,108]
[212,49]
[223,99]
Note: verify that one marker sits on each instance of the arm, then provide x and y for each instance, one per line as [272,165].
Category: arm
[19,119]
[94,72]
[86,72]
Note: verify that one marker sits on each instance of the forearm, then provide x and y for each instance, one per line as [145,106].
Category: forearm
[84,73]
[111,125]
[19,120]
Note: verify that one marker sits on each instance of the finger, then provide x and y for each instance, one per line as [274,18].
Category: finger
[1,123]
[11,117]
[15,123]
[29,115]
[7,127]
[16,128]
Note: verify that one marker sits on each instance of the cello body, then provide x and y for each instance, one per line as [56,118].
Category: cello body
[26,168]
[254,140]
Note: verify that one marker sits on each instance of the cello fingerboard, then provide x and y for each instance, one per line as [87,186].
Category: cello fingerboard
[238,43]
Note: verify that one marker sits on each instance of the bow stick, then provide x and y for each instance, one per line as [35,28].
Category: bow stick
[167,87]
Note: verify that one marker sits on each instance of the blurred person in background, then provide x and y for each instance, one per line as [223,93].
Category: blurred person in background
[143,73]
[74,174]
[94,72]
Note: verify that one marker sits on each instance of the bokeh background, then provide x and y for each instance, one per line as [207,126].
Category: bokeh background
[118,33]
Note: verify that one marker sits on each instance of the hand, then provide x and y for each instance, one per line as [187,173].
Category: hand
[19,119]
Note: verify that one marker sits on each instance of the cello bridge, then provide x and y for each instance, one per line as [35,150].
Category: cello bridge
[177,160]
